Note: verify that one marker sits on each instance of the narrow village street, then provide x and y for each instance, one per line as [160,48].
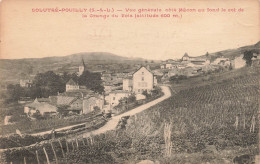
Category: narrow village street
[112,123]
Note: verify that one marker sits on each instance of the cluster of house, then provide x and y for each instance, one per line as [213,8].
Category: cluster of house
[78,99]
[192,66]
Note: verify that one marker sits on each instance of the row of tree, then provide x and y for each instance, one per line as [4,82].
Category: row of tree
[49,84]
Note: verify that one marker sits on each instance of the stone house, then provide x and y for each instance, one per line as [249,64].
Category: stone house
[114,97]
[39,107]
[143,79]
[91,102]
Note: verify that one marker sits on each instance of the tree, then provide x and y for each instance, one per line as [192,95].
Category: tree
[131,98]
[37,115]
[48,83]
[248,55]
[14,92]
[62,110]
[66,77]
[147,95]
[92,81]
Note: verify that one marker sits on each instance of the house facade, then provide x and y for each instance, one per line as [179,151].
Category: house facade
[169,66]
[162,66]
[71,85]
[90,103]
[26,83]
[114,97]
[256,60]
[185,57]
[127,84]
[143,79]
[238,62]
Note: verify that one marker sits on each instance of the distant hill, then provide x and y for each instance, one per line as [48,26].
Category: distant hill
[14,69]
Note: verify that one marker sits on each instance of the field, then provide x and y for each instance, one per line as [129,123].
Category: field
[211,121]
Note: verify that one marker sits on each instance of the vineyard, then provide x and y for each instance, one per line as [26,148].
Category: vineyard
[205,123]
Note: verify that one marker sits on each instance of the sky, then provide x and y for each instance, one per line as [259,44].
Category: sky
[27,34]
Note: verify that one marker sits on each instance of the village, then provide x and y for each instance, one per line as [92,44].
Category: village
[137,84]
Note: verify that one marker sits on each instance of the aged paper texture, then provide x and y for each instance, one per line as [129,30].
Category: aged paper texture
[145,81]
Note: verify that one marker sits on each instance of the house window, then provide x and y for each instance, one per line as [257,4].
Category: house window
[138,90]
[114,98]
[142,73]
[142,78]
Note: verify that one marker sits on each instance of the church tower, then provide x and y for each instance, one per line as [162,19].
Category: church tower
[82,68]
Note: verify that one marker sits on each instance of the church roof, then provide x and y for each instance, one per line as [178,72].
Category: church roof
[83,63]
[147,68]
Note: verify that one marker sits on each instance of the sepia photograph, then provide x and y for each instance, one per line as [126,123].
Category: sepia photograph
[129,82]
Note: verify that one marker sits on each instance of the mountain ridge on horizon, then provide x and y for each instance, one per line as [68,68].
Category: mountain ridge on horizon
[12,69]
[92,56]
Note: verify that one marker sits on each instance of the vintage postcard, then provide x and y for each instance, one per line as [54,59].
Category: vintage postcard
[146,82]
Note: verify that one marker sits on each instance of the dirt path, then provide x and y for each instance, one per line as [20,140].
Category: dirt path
[111,124]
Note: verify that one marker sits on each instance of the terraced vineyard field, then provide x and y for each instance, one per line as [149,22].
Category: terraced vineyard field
[208,123]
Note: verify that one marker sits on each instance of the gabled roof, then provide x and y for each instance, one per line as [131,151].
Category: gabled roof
[145,68]
[185,55]
[41,106]
[96,96]
[65,100]
[77,93]
[71,82]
